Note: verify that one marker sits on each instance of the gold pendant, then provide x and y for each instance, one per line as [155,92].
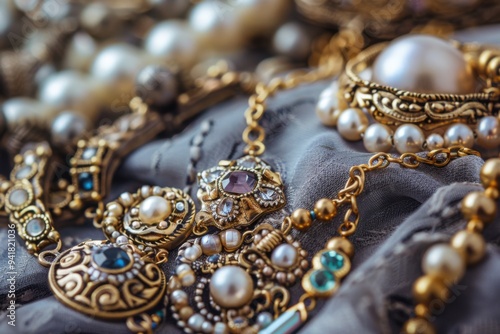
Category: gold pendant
[236,193]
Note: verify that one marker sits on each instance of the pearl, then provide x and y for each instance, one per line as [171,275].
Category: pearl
[231,287]
[19,110]
[444,261]
[284,256]
[211,244]
[434,141]
[327,108]
[99,20]
[488,132]
[179,298]
[67,127]
[122,240]
[408,138]
[80,52]
[220,328]
[207,327]
[292,40]
[192,253]
[424,64]
[352,123]
[459,134]
[156,85]
[114,209]
[260,17]
[470,244]
[378,138]
[264,319]
[214,27]
[172,41]
[231,239]
[154,209]
[116,67]
[196,321]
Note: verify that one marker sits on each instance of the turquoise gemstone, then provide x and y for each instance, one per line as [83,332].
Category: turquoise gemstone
[322,280]
[286,323]
[332,260]
[86,181]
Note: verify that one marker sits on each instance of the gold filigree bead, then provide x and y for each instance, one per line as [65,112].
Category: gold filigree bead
[341,244]
[325,209]
[470,244]
[490,173]
[477,205]
[418,326]
[421,311]
[301,219]
[428,288]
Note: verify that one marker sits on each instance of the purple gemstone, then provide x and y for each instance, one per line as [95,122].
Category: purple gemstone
[239,182]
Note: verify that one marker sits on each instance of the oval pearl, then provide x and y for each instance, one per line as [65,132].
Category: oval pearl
[80,52]
[444,261]
[260,17]
[211,244]
[264,319]
[179,298]
[293,41]
[154,209]
[352,123]
[67,127]
[214,27]
[434,141]
[192,253]
[156,85]
[327,108]
[196,321]
[377,138]
[488,132]
[19,110]
[284,256]
[172,41]
[459,134]
[70,90]
[424,64]
[231,287]
[230,239]
[408,138]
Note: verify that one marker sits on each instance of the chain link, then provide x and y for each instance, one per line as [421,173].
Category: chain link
[328,61]
[356,181]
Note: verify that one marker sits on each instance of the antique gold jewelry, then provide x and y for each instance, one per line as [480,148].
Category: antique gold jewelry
[333,262]
[444,264]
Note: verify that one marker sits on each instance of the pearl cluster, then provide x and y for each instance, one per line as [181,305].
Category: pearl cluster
[445,263]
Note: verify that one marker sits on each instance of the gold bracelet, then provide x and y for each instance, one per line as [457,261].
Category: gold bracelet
[444,264]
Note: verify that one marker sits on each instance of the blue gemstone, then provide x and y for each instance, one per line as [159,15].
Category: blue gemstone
[111,258]
[86,181]
[313,215]
[332,260]
[322,280]
[214,258]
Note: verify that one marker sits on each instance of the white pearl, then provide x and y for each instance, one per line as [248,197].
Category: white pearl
[284,256]
[122,240]
[327,108]
[352,123]
[214,26]
[424,64]
[188,279]
[192,253]
[179,297]
[154,209]
[67,127]
[172,41]
[80,52]
[488,132]
[434,141]
[156,85]
[70,90]
[231,287]
[260,17]
[183,269]
[443,260]
[377,138]
[114,209]
[115,67]
[196,321]
[408,138]
[211,244]
[231,239]
[126,199]
[19,110]
[292,40]
[207,327]
[220,328]
[459,134]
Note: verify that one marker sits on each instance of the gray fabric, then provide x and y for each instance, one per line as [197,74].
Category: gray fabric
[402,212]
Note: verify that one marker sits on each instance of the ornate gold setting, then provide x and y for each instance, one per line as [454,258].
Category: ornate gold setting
[81,283]
[225,208]
[393,107]
[124,216]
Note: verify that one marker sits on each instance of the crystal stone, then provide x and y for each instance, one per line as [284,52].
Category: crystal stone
[86,181]
[18,197]
[23,172]
[239,182]
[35,227]
[322,280]
[111,258]
[225,208]
[332,260]
[88,153]
[268,194]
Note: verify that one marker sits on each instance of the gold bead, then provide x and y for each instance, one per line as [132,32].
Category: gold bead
[492,192]
[478,206]
[418,326]
[422,311]
[301,219]
[428,288]
[470,244]
[475,226]
[490,173]
[325,209]
[341,244]
[185,312]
